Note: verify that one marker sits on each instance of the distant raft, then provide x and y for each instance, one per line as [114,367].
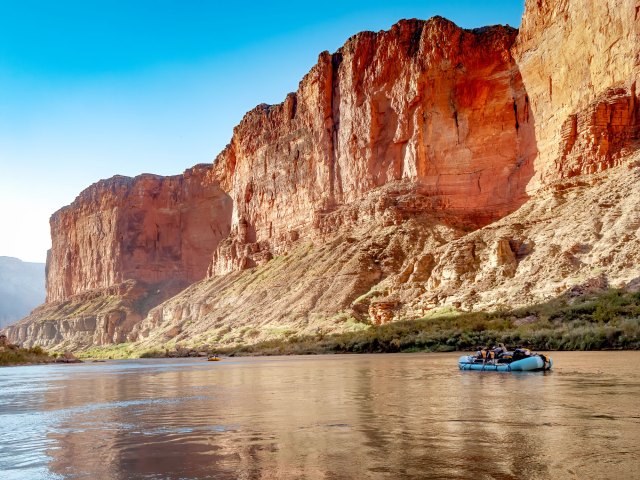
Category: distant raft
[531,363]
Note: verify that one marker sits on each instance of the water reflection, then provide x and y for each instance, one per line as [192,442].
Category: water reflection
[332,417]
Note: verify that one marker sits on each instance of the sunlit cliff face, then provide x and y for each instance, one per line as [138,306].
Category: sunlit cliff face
[580,64]
[438,110]
[149,229]
[420,167]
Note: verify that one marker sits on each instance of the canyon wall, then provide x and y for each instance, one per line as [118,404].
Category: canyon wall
[122,247]
[415,168]
[149,228]
[580,63]
[581,236]
[572,154]
[425,104]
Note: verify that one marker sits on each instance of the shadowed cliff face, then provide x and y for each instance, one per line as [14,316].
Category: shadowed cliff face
[416,168]
[150,229]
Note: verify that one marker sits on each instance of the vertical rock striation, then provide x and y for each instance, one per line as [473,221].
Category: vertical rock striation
[428,105]
[150,229]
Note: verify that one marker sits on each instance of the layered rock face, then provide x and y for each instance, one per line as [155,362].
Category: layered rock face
[149,228]
[580,232]
[421,167]
[575,236]
[123,246]
[428,105]
[580,63]
[93,318]
[317,286]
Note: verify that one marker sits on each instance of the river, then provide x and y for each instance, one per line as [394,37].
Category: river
[410,416]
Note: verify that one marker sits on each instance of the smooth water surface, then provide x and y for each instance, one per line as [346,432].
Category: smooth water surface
[328,417]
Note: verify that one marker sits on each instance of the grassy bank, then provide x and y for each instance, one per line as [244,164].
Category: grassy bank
[117,351]
[610,320]
[23,356]
[121,351]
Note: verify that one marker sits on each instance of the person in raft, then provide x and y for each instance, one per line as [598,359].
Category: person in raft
[491,354]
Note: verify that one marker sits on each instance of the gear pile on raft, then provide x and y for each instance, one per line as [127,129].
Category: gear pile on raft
[500,359]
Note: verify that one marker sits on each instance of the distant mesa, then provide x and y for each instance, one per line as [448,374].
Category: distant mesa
[22,288]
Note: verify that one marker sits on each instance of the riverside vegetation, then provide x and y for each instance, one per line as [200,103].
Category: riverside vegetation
[14,355]
[11,354]
[608,320]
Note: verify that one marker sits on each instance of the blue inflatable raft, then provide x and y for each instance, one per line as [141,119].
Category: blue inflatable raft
[531,363]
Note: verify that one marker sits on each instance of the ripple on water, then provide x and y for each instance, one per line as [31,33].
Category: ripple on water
[391,416]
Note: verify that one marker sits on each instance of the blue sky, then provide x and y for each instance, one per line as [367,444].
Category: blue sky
[90,89]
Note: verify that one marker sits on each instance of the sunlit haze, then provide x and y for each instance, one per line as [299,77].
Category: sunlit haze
[93,89]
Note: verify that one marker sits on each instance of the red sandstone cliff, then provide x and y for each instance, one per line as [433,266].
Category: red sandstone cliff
[419,167]
[123,246]
[149,228]
[426,104]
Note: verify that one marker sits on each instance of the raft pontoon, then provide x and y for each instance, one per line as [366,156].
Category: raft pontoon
[531,363]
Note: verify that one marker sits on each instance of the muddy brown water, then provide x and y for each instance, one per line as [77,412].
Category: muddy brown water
[410,416]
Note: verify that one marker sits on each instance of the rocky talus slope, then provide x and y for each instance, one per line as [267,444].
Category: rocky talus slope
[422,167]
